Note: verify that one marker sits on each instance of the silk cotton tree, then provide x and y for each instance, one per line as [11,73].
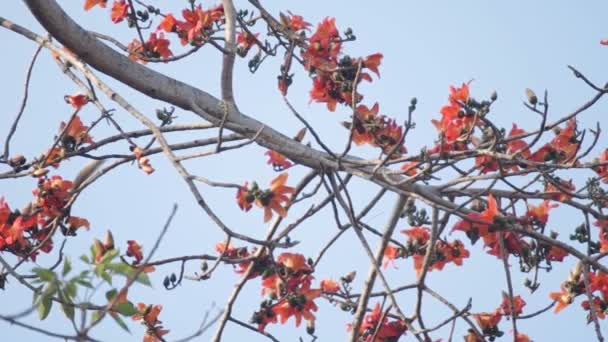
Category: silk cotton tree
[477,187]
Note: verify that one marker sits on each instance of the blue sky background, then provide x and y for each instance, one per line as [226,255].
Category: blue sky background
[427,46]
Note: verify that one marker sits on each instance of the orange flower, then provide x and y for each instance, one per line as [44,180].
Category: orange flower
[167,24]
[390,254]
[562,299]
[454,252]
[275,199]
[244,197]
[418,234]
[488,320]
[329,286]
[77,100]
[149,316]
[88,4]
[76,133]
[119,11]
[562,192]
[299,304]
[505,306]
[51,196]
[78,222]
[293,261]
[142,162]
[540,213]
[278,161]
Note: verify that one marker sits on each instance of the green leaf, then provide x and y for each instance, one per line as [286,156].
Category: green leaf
[67,266]
[71,289]
[108,256]
[85,283]
[96,316]
[67,309]
[107,277]
[128,271]
[44,307]
[44,274]
[126,309]
[85,259]
[111,294]
[121,323]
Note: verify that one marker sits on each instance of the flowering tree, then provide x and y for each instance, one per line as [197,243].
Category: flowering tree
[476,188]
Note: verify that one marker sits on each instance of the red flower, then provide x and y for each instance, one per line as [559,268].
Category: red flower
[366,121]
[602,170]
[387,331]
[323,46]
[372,62]
[603,234]
[77,100]
[88,4]
[604,41]
[486,163]
[244,42]
[522,338]
[156,47]
[410,168]
[119,11]
[294,22]
[556,254]
[455,121]
[197,22]
[518,304]
[324,90]
[134,250]
[518,145]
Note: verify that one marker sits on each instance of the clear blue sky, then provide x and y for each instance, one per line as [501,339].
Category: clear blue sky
[427,46]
